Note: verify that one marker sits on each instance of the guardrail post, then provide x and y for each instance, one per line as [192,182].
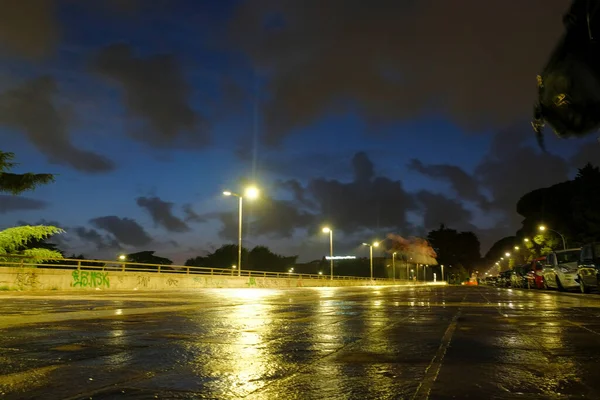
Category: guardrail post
[211,271]
[22,260]
[123,267]
[78,265]
[159,269]
[265,274]
[188,270]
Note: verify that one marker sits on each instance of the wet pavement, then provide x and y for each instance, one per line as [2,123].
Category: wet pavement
[311,343]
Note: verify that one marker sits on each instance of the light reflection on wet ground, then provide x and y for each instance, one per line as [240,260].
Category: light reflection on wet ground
[338,343]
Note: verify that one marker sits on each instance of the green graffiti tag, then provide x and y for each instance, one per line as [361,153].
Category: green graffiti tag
[90,279]
[251,282]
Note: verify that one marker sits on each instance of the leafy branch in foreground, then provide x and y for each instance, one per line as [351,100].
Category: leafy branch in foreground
[12,240]
[18,183]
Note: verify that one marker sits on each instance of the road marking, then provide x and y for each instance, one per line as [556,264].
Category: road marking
[583,327]
[433,369]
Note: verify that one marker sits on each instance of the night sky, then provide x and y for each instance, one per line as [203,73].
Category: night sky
[392,117]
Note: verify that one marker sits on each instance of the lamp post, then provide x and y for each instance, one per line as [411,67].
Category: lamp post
[544,228]
[442,272]
[251,193]
[375,244]
[394,266]
[330,231]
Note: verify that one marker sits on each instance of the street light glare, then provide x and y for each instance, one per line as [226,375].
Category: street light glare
[326,230]
[376,244]
[517,247]
[542,228]
[507,254]
[122,257]
[365,244]
[526,240]
[251,192]
[227,193]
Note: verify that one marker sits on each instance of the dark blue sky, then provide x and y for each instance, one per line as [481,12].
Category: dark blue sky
[360,117]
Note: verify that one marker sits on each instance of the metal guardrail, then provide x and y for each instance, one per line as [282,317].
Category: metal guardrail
[124,266]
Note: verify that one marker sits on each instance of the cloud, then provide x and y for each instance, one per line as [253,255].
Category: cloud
[10,203]
[462,183]
[156,91]
[32,29]
[191,215]
[397,59]
[29,27]
[162,214]
[31,108]
[368,202]
[102,242]
[437,209]
[125,230]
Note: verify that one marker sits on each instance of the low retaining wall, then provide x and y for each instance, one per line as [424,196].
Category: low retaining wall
[62,279]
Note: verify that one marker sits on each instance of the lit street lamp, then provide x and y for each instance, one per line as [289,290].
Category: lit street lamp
[394,265]
[507,254]
[251,193]
[375,244]
[330,231]
[517,248]
[543,228]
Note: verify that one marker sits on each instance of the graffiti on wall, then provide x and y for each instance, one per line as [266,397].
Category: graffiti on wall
[251,282]
[26,279]
[90,279]
[172,282]
[143,280]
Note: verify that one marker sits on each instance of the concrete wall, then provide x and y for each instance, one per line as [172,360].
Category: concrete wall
[62,279]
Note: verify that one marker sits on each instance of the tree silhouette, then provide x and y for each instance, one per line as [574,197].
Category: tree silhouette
[18,183]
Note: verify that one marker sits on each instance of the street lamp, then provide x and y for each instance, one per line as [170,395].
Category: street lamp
[375,244]
[330,231]
[517,248]
[507,254]
[122,257]
[251,193]
[543,228]
[394,266]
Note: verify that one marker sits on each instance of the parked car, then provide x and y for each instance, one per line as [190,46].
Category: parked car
[535,276]
[560,269]
[588,269]
[518,278]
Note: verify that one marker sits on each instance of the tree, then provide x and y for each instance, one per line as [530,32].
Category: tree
[259,258]
[18,183]
[570,208]
[453,247]
[13,241]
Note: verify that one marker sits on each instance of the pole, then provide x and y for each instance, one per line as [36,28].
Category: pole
[240,239]
[442,272]
[394,266]
[371,255]
[407,273]
[331,251]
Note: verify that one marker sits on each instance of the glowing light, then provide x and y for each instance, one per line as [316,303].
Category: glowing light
[122,257]
[376,244]
[542,228]
[340,257]
[326,230]
[227,193]
[507,254]
[251,192]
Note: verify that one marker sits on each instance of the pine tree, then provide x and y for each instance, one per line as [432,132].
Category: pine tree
[18,183]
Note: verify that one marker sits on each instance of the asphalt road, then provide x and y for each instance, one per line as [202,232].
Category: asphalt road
[321,343]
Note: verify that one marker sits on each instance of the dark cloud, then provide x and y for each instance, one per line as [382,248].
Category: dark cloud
[438,209]
[31,108]
[28,27]
[269,217]
[10,203]
[397,59]
[156,91]
[512,168]
[191,215]
[368,202]
[588,152]
[463,184]
[102,242]
[125,230]
[31,28]
[162,214]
